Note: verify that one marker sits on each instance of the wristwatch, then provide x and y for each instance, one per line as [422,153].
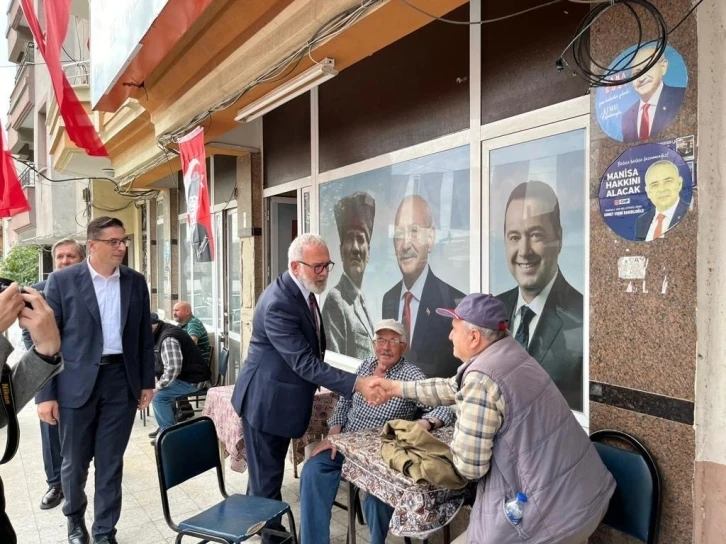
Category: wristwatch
[50,359]
[431,421]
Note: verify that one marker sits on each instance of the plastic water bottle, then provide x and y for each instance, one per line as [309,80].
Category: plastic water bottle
[515,508]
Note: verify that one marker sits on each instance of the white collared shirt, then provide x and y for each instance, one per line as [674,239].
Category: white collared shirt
[669,213]
[653,103]
[537,306]
[417,291]
[108,296]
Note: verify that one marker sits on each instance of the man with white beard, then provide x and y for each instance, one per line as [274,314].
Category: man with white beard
[276,386]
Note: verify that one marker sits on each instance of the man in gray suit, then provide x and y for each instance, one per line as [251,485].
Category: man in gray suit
[345,315]
[546,311]
[102,311]
[65,252]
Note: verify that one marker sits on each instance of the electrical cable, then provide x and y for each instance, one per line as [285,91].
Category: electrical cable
[483,21]
[615,75]
[672,30]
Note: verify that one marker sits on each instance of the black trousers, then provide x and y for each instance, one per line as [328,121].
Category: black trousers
[98,430]
[7,534]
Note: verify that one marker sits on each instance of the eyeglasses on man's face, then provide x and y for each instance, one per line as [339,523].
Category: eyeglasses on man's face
[383,341]
[114,242]
[318,268]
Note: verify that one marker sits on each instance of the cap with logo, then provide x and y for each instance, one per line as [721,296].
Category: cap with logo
[480,309]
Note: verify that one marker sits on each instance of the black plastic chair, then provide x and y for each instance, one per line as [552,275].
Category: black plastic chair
[189,449]
[636,504]
[201,396]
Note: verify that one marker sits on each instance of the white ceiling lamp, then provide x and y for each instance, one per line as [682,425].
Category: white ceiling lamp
[322,71]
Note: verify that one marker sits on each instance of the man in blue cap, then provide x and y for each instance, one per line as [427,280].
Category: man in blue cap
[515,434]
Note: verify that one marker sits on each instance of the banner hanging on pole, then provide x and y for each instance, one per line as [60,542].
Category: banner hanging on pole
[12,197]
[199,218]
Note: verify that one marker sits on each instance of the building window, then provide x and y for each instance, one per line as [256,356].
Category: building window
[196,279]
[392,230]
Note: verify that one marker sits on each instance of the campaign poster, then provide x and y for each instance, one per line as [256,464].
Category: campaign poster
[641,109]
[392,230]
[685,146]
[646,192]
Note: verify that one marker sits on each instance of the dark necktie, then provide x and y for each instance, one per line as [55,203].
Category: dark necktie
[314,310]
[407,316]
[525,316]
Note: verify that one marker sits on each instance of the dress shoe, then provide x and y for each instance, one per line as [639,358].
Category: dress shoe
[105,540]
[52,498]
[77,532]
[154,433]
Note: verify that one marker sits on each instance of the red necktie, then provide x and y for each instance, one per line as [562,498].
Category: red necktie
[644,123]
[407,316]
[659,226]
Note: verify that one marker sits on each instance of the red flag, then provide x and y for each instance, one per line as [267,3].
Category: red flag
[12,197]
[79,127]
[194,167]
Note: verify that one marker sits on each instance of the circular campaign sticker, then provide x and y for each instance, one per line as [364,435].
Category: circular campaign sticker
[646,192]
[642,109]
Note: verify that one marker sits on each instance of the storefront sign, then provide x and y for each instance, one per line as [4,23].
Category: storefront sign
[646,192]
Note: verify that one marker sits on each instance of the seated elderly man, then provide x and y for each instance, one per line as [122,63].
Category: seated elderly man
[321,474]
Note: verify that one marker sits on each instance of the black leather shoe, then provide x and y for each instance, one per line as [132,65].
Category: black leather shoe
[153,434]
[52,498]
[106,540]
[77,532]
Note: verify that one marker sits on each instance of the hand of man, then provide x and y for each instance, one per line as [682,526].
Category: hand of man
[11,304]
[374,395]
[48,412]
[389,388]
[145,400]
[40,322]
[325,445]
[425,424]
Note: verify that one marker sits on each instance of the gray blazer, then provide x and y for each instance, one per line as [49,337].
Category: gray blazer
[347,321]
[29,375]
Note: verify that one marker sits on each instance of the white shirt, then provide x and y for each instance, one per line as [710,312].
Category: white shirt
[537,306]
[653,103]
[108,296]
[417,291]
[669,213]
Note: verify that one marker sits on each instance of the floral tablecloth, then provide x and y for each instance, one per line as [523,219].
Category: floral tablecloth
[218,406]
[419,509]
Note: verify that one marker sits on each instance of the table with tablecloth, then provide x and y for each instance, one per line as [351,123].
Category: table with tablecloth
[419,509]
[218,407]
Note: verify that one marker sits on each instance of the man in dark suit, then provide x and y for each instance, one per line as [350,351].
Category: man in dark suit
[546,311]
[276,386]
[663,184]
[65,252]
[414,299]
[658,104]
[102,311]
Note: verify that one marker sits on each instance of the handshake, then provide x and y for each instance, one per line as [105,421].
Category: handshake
[377,390]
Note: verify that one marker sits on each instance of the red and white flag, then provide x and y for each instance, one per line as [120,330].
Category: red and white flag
[194,168]
[12,197]
[79,127]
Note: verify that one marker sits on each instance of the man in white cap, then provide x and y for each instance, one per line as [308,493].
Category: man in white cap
[321,474]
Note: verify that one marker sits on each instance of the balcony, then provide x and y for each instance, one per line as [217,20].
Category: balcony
[17,32]
[21,117]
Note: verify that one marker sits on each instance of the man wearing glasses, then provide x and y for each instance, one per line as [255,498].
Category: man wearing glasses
[414,299]
[102,311]
[321,474]
[285,365]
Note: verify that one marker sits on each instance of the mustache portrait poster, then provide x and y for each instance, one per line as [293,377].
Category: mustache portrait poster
[393,229]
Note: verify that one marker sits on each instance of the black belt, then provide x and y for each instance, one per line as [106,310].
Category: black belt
[115,359]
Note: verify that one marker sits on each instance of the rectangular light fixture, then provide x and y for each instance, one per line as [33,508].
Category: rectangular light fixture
[312,77]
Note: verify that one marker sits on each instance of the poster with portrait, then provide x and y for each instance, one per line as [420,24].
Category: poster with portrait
[640,110]
[537,258]
[646,192]
[402,228]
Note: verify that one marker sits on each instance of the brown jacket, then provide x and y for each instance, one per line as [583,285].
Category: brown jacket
[409,449]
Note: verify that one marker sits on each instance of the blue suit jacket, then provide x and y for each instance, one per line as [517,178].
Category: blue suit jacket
[276,386]
[71,294]
[669,104]
[642,223]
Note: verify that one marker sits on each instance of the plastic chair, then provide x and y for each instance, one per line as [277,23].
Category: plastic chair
[636,504]
[201,395]
[189,449]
